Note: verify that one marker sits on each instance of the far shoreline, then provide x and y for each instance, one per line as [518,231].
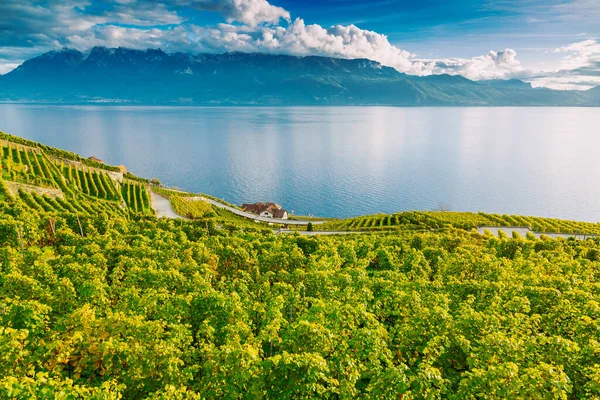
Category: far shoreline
[181,105]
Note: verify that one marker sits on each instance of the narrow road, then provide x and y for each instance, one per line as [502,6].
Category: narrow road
[169,213]
[162,206]
[521,230]
[257,217]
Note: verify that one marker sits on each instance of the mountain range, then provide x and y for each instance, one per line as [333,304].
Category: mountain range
[126,76]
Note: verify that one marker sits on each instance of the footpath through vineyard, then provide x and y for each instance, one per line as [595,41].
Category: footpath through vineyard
[162,207]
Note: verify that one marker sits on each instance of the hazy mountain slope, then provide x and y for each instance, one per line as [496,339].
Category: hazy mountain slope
[155,77]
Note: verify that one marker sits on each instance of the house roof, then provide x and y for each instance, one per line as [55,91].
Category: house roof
[279,213]
[258,208]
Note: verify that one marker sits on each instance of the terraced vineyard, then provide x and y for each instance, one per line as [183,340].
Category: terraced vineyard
[77,205]
[136,197]
[78,180]
[54,152]
[439,220]
[89,181]
[26,165]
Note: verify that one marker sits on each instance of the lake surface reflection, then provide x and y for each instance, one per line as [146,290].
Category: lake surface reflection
[345,161]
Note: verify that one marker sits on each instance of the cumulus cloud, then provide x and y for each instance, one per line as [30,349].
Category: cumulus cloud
[249,12]
[565,81]
[353,42]
[30,28]
[494,65]
[580,54]
[301,39]
[6,66]
[171,40]
[579,67]
[252,26]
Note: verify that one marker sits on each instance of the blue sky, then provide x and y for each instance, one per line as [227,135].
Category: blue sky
[551,43]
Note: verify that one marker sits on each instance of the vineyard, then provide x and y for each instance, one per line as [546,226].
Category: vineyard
[439,220]
[100,299]
[22,164]
[79,180]
[136,197]
[191,207]
[54,152]
[90,182]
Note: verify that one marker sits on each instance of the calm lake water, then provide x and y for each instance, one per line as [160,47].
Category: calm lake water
[345,161]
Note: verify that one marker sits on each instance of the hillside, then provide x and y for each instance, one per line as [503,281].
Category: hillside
[100,299]
[126,76]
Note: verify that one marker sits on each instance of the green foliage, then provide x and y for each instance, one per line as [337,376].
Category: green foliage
[104,303]
[423,220]
[147,308]
[169,193]
[52,151]
[24,165]
[136,197]
[191,207]
[133,177]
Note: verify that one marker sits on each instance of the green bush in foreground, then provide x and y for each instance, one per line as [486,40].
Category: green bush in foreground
[143,308]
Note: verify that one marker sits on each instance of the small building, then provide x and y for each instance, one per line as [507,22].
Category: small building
[96,159]
[266,210]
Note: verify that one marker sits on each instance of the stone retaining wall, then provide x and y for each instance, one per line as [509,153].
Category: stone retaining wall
[5,143]
[13,188]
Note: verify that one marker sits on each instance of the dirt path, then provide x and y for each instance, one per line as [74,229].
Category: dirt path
[162,207]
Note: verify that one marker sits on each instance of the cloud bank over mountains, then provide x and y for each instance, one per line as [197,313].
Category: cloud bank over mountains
[579,67]
[27,29]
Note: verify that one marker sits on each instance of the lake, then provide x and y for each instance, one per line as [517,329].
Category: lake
[345,161]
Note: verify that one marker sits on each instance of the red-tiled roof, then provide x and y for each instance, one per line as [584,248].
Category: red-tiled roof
[279,213]
[258,208]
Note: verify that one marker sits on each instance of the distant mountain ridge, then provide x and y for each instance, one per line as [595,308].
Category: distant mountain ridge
[126,76]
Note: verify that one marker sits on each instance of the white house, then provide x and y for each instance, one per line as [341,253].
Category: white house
[266,210]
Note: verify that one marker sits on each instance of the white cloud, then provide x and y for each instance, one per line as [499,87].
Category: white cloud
[63,24]
[6,67]
[352,42]
[578,69]
[573,82]
[301,39]
[579,54]
[253,26]
[494,65]
[249,12]
[173,39]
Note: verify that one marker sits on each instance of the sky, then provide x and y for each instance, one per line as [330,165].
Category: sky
[550,43]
